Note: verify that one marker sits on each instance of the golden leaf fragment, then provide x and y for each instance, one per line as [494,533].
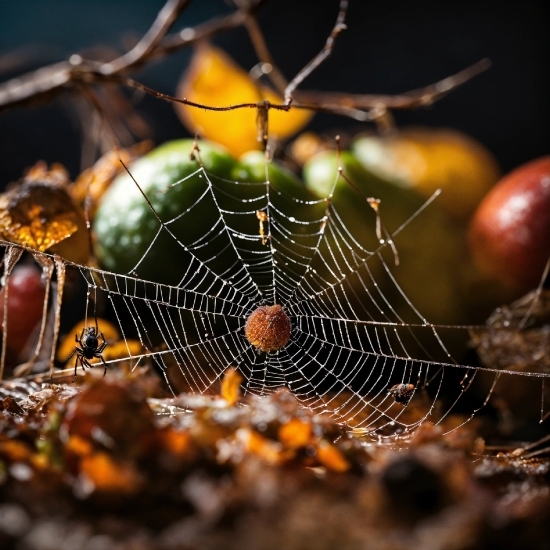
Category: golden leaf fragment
[268,450]
[231,383]
[295,434]
[214,79]
[38,212]
[105,473]
[331,458]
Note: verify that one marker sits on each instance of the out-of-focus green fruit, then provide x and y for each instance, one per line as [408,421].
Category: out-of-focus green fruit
[125,226]
[224,202]
[431,251]
[428,159]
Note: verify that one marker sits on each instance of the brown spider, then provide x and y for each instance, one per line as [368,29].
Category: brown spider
[90,348]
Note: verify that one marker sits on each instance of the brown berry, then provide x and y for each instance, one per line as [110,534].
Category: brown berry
[268,328]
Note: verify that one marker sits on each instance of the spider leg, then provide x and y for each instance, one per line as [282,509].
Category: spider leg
[75,364]
[85,364]
[104,364]
[73,352]
[79,339]
[101,347]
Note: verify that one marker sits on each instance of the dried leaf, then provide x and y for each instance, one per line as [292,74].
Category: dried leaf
[107,474]
[231,383]
[295,434]
[268,450]
[176,442]
[331,458]
[39,213]
[214,79]
[14,451]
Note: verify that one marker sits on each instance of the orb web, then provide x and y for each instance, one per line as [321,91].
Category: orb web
[354,334]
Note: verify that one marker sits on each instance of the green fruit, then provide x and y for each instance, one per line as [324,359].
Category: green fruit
[125,225]
[223,201]
[430,248]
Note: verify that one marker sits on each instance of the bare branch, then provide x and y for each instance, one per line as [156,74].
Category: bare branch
[47,82]
[321,56]
[80,75]
[421,97]
[264,55]
[165,19]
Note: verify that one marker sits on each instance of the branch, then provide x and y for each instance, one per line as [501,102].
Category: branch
[80,75]
[47,82]
[152,38]
[321,56]
[262,51]
[421,97]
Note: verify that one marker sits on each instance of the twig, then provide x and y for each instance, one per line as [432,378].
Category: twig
[80,75]
[152,38]
[264,55]
[47,82]
[321,56]
[421,97]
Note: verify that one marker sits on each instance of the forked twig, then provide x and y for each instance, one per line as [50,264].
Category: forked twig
[150,41]
[321,56]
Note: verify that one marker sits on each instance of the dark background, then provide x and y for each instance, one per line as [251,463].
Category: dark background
[389,47]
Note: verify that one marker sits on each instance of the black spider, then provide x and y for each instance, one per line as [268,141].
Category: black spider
[90,348]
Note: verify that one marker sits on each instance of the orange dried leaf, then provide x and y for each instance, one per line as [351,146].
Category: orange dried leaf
[176,442]
[34,230]
[108,474]
[268,450]
[15,451]
[39,213]
[78,445]
[331,458]
[214,79]
[295,434]
[231,383]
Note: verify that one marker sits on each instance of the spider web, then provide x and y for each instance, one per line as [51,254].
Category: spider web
[354,332]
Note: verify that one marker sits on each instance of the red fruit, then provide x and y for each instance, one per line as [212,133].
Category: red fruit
[25,304]
[510,231]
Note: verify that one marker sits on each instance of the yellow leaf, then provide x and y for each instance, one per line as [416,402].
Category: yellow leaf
[214,79]
[34,222]
[331,458]
[295,434]
[231,383]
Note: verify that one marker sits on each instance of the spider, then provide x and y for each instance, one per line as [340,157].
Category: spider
[90,348]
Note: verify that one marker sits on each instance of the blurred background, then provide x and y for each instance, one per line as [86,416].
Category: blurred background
[389,47]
